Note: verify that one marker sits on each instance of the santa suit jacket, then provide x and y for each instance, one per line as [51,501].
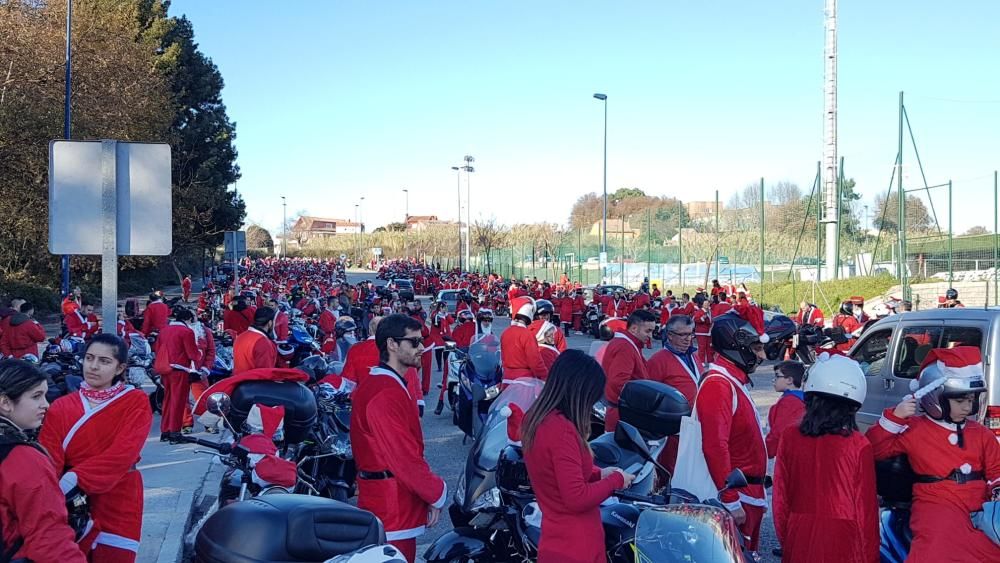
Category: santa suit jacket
[96,449]
[942,530]
[33,508]
[720,309]
[519,354]
[176,346]
[702,322]
[206,343]
[731,434]
[615,307]
[565,308]
[238,321]
[570,492]
[155,317]
[21,337]
[666,367]
[386,434]
[463,334]
[814,315]
[825,507]
[327,322]
[622,362]
[281,330]
[787,412]
[549,354]
[253,349]
[560,338]
[77,324]
[361,358]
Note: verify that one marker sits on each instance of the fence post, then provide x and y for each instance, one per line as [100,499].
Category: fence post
[622,258]
[996,298]
[649,237]
[718,248]
[901,215]
[819,236]
[951,233]
[762,240]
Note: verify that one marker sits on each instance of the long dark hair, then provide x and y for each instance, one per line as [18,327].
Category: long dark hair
[575,383]
[17,377]
[828,414]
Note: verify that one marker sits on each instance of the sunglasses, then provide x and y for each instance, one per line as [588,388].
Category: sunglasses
[414,341]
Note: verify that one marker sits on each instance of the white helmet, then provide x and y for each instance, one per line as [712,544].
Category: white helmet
[836,375]
[524,306]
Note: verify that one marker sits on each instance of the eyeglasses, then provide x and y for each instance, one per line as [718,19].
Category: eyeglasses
[682,334]
[778,376]
[414,341]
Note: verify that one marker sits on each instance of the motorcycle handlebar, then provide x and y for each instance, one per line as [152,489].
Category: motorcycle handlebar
[634,497]
[223,448]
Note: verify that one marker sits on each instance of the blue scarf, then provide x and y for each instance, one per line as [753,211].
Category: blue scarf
[796,392]
[686,357]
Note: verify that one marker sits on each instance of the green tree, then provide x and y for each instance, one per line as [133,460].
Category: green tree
[258,238]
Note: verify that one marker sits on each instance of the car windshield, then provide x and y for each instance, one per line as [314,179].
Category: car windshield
[404,284]
[686,532]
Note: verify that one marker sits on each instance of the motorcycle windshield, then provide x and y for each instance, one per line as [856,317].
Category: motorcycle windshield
[492,438]
[686,532]
[300,334]
[484,355]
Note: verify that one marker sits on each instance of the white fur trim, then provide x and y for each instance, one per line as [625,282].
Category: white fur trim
[505,411]
[120,542]
[443,498]
[765,338]
[89,412]
[67,482]
[753,501]
[964,372]
[965,468]
[953,439]
[735,505]
[407,534]
[892,427]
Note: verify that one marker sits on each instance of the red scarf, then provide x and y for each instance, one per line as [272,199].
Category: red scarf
[101,395]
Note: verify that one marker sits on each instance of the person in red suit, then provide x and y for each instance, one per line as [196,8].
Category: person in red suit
[23,333]
[71,302]
[328,318]
[281,321]
[95,437]
[32,508]
[77,324]
[825,506]
[156,316]
[394,480]
[641,299]
[547,345]
[176,353]
[254,348]
[518,347]
[956,459]
[465,330]
[721,307]
[677,366]
[733,437]
[579,306]
[569,487]
[623,361]
[809,314]
[206,343]
[790,408]
[656,292]
[686,307]
[543,314]
[186,288]
[239,317]
[616,306]
[846,321]
[362,357]
[703,330]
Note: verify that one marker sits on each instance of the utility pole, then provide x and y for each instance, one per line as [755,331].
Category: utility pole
[284,227]
[458,181]
[468,209]
[406,222]
[830,184]
[67,119]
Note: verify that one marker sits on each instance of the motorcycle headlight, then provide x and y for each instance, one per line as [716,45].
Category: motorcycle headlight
[601,409]
[489,499]
[492,392]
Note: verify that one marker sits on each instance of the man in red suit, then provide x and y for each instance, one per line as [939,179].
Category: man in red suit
[156,316]
[543,314]
[77,324]
[616,306]
[394,480]
[790,408]
[703,330]
[721,307]
[518,347]
[176,353]
[676,366]
[328,318]
[254,348]
[579,306]
[732,435]
[623,360]
[362,357]
[23,334]
[186,288]
[809,314]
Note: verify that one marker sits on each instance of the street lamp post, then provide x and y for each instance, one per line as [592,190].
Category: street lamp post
[458,184]
[284,227]
[604,237]
[361,231]
[468,209]
[357,245]
[406,221]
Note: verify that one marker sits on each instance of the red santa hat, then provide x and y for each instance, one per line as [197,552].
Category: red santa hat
[755,316]
[961,361]
[514,416]
[522,306]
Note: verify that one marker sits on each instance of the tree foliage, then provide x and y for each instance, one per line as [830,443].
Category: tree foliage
[258,238]
[918,219]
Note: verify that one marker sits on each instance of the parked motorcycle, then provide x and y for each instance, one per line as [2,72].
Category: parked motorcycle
[325,460]
[811,340]
[592,318]
[63,370]
[478,382]
[780,331]
[894,480]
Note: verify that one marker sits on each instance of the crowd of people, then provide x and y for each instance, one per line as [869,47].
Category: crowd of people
[824,499]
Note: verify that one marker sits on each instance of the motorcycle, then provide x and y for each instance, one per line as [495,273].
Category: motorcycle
[894,480]
[325,460]
[780,331]
[811,340]
[302,341]
[478,382]
[592,318]
[63,370]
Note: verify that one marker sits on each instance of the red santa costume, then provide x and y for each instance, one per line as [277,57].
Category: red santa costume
[176,348]
[732,437]
[812,315]
[615,306]
[579,306]
[77,324]
[787,412]
[957,467]
[547,352]
[681,372]
[22,336]
[361,358]
[560,338]
[186,289]
[94,439]
[622,362]
[155,317]
[518,348]
[252,350]
[703,334]
[394,481]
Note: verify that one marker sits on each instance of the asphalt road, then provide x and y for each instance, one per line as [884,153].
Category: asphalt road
[446,453]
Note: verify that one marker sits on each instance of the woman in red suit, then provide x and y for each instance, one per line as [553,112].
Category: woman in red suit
[32,508]
[569,486]
[94,438]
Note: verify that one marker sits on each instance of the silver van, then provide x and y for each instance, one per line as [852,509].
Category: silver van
[891,350]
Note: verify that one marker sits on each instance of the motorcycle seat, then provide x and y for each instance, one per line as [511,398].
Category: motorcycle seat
[286,528]
[607,453]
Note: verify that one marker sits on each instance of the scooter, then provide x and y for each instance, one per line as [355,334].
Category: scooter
[478,382]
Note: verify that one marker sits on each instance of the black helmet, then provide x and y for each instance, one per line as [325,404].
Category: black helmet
[952,293]
[543,306]
[847,308]
[314,366]
[484,315]
[605,332]
[344,325]
[734,338]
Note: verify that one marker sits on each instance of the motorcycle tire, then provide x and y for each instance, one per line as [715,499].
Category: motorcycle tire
[156,400]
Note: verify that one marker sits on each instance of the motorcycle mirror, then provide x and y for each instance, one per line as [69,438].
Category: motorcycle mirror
[736,480]
[628,436]
[219,404]
[450,346]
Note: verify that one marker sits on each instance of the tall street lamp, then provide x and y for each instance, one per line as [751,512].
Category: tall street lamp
[284,227]
[604,238]
[361,230]
[468,209]
[458,183]
[406,220]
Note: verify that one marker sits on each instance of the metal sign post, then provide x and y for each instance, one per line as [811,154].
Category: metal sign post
[109,230]
[235,249]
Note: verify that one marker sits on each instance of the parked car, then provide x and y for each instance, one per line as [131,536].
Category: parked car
[891,350]
[588,291]
[449,296]
[404,287]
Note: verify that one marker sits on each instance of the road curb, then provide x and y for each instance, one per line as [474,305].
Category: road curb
[176,545]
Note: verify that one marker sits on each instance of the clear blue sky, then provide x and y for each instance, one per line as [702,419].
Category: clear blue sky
[337,100]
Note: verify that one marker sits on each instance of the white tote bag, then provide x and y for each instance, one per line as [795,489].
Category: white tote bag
[691,470]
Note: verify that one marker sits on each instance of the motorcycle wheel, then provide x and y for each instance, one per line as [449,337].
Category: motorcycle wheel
[156,400]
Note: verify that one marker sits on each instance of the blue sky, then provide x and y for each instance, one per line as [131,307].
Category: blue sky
[337,100]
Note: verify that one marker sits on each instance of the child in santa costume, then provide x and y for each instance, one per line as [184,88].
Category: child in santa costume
[547,344]
[825,507]
[94,437]
[956,460]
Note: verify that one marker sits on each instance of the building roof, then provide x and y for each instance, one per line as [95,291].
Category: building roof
[319,224]
[410,219]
